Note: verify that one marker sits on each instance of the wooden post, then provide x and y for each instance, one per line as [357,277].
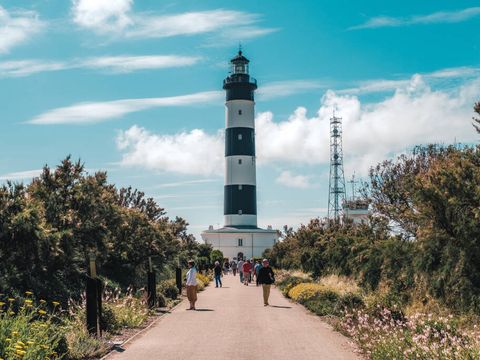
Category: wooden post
[92,297]
[178,277]
[151,285]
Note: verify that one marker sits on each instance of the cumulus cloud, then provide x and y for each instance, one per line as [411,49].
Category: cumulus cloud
[295,181]
[440,17]
[193,152]
[21,175]
[117,18]
[112,64]
[414,114]
[103,16]
[94,112]
[286,88]
[17,27]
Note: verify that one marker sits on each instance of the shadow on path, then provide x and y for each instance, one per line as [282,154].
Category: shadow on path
[204,310]
[280,307]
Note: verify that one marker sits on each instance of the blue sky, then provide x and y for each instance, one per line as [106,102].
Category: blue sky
[134,87]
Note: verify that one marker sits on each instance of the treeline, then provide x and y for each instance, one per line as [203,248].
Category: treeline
[422,242]
[49,228]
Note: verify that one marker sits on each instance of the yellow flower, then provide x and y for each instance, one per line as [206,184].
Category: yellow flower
[20,343]
[8,339]
[28,293]
[42,301]
[42,312]
[30,342]
[28,301]
[29,305]
[55,303]
[11,299]
[2,303]
[11,312]
[15,333]
[44,346]
[20,352]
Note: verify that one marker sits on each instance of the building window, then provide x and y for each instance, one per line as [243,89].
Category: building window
[239,112]
[239,161]
[240,137]
[240,242]
[239,212]
[240,187]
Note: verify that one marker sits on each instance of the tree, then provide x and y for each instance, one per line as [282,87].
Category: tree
[216,255]
[476,108]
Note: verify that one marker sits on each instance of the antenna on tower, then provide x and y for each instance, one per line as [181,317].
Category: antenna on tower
[336,187]
[353,182]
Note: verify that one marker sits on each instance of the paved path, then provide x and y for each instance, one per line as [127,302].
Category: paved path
[232,323]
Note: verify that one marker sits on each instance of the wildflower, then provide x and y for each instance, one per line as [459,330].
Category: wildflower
[30,342]
[42,312]
[20,343]
[8,339]
[55,303]
[11,299]
[28,301]
[28,293]
[20,352]
[15,333]
[2,303]
[44,346]
[42,301]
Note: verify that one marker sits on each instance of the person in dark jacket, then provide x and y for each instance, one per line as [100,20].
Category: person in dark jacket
[266,278]
[218,274]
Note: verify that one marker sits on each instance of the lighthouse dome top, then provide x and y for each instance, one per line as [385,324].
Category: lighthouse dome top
[239,58]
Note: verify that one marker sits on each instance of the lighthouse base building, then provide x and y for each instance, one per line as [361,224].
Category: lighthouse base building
[240,237]
[237,243]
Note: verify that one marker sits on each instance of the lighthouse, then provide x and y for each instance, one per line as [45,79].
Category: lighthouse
[240,236]
[240,193]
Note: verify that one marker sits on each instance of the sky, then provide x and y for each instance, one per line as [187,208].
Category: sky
[134,87]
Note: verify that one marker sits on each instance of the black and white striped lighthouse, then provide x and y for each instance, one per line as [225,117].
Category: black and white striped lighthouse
[240,199]
[240,237]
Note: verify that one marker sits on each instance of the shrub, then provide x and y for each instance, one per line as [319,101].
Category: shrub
[306,291]
[168,288]
[200,285]
[161,300]
[30,332]
[81,345]
[204,278]
[108,321]
[130,312]
[287,282]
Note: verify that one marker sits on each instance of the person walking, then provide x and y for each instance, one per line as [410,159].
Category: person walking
[247,268]
[233,266]
[257,268]
[191,284]
[240,269]
[218,274]
[266,278]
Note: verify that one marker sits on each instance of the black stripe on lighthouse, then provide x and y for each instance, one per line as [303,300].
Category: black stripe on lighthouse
[240,200]
[239,141]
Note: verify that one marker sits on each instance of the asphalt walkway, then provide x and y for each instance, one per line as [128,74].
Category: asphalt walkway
[232,323]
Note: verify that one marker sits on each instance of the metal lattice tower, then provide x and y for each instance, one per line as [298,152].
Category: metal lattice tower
[336,187]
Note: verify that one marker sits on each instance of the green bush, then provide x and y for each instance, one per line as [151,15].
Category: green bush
[168,288]
[108,321]
[286,283]
[161,300]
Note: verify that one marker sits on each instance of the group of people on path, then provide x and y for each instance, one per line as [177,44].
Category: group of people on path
[248,270]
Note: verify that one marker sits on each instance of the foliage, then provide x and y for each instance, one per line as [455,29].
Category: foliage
[204,278]
[216,255]
[476,108]
[420,336]
[29,330]
[168,288]
[48,228]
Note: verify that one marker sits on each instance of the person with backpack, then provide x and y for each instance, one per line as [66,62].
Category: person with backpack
[247,268]
[266,278]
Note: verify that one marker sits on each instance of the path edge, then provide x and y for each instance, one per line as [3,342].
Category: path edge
[131,338]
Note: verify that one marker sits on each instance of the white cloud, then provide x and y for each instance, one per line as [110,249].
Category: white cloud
[113,64]
[193,152]
[103,16]
[17,27]
[286,88]
[414,114]
[21,175]
[116,18]
[434,18]
[295,181]
[188,182]
[94,112]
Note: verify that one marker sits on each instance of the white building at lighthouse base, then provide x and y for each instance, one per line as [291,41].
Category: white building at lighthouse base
[236,242]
